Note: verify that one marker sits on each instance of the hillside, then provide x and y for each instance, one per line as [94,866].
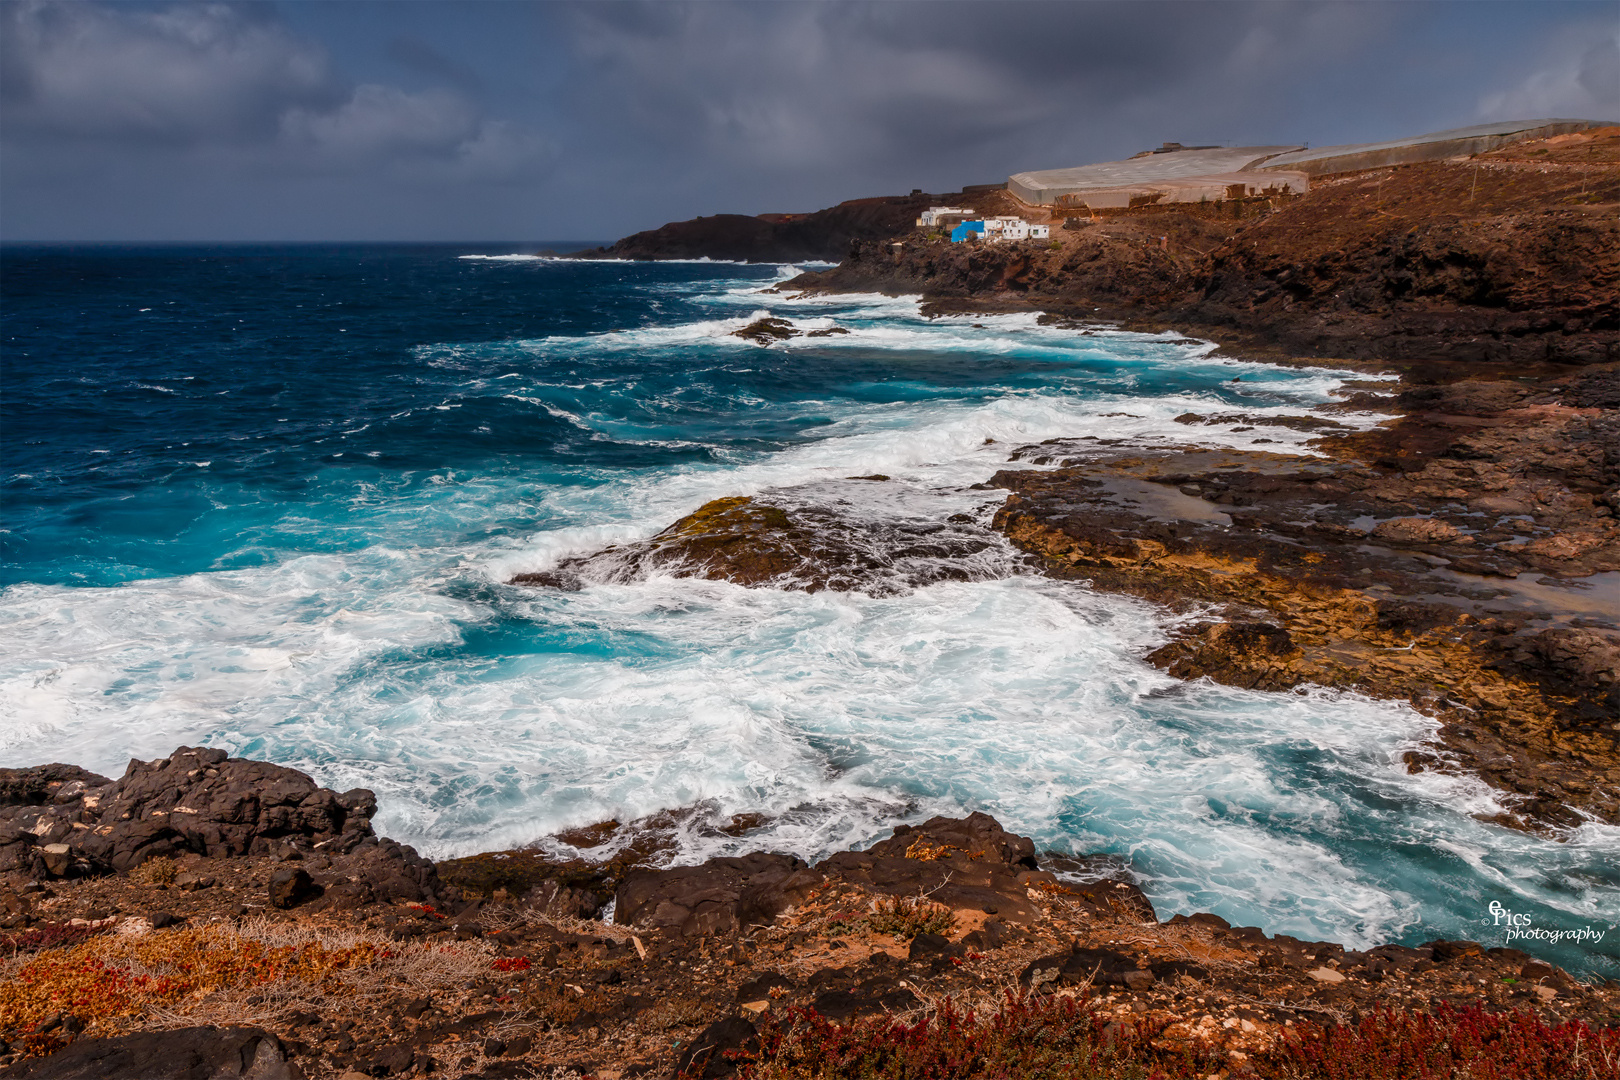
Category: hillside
[823,236]
[1513,255]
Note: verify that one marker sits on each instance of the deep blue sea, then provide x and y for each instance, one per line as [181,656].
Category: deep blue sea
[267,498]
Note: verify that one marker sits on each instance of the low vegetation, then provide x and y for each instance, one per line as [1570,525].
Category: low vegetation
[1060,1038]
[252,973]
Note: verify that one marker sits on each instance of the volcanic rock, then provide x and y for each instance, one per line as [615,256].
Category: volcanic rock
[291,886]
[202,801]
[806,548]
[196,1053]
[1500,259]
[1354,571]
[719,896]
[706,1058]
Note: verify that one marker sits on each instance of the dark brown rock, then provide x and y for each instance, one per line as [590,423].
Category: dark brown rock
[720,896]
[41,784]
[706,1058]
[768,330]
[1081,967]
[201,801]
[291,886]
[970,863]
[198,1053]
[809,548]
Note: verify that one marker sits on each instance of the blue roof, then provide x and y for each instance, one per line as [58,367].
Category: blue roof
[966,229]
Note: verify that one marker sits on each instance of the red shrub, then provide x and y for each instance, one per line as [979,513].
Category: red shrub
[1062,1039]
[48,936]
[1451,1042]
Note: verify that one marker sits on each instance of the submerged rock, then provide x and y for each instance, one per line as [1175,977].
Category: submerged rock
[765,331]
[772,329]
[748,541]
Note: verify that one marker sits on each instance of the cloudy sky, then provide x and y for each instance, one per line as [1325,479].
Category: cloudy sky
[559,121]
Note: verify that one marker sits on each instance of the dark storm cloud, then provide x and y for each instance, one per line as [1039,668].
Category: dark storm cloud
[236,86]
[1576,72]
[594,119]
[184,75]
[881,88]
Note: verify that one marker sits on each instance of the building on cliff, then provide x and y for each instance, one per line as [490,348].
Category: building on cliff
[1435,146]
[943,217]
[994,229]
[1178,174]
[1170,176]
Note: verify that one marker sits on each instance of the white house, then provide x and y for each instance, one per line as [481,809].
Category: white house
[936,215]
[1013,228]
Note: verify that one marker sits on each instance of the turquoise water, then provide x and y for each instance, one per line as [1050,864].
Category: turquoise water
[267,499]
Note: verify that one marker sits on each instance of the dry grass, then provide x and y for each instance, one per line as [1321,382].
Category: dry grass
[161,870]
[256,972]
[496,919]
[674,1013]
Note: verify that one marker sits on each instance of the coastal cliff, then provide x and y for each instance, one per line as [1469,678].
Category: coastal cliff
[823,235]
[1510,257]
[1461,556]
[1492,288]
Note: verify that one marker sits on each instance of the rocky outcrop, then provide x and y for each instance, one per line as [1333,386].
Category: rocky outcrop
[1389,568]
[65,822]
[809,548]
[708,959]
[769,330]
[195,1053]
[721,896]
[970,863]
[197,799]
[966,864]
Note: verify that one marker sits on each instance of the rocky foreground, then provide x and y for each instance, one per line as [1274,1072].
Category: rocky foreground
[213,917]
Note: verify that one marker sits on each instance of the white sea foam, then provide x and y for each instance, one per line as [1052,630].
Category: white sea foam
[835,714]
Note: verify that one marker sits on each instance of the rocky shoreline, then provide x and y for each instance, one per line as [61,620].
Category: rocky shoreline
[213,917]
[1461,556]
[206,916]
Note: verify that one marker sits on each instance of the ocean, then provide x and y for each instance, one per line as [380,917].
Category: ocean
[267,498]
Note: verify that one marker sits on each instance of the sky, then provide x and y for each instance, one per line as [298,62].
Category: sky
[473,121]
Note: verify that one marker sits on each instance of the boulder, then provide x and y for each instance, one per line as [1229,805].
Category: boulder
[705,1058]
[40,784]
[378,868]
[291,886]
[198,1053]
[719,896]
[963,863]
[1081,967]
